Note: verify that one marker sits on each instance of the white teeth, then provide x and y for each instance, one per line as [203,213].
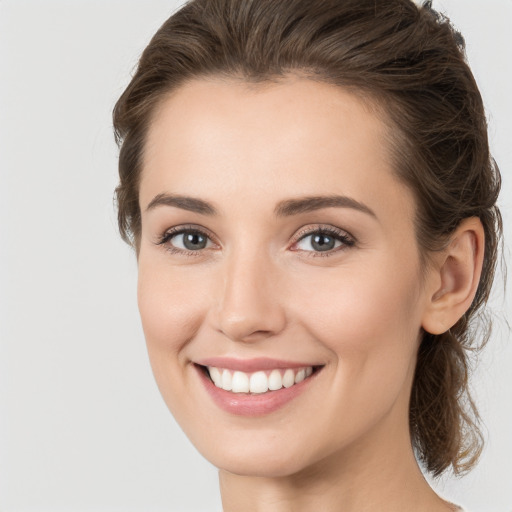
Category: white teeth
[226,380]
[257,382]
[240,383]
[301,375]
[275,381]
[288,378]
[216,376]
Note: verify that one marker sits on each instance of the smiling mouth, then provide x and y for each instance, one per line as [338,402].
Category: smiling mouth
[259,382]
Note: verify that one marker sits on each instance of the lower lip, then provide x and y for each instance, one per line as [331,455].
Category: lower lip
[258,404]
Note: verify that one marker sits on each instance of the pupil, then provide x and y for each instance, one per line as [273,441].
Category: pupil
[194,241]
[323,242]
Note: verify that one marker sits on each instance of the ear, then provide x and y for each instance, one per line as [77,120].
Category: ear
[454,278]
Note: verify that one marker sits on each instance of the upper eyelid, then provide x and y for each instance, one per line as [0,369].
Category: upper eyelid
[300,232]
[327,229]
[177,230]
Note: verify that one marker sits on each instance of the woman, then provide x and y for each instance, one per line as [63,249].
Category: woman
[310,194]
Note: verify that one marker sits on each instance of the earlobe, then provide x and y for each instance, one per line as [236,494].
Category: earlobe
[455,279]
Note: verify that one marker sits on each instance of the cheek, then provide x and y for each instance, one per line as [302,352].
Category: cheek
[171,305]
[370,322]
[361,308]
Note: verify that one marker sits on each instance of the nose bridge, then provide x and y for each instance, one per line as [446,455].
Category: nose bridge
[249,305]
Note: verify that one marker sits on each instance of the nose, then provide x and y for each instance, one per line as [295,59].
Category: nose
[250,301]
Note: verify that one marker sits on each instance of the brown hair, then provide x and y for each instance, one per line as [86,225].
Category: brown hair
[410,61]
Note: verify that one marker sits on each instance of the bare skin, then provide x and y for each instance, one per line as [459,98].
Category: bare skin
[259,287]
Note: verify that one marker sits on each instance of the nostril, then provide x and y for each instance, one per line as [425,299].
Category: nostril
[245,333]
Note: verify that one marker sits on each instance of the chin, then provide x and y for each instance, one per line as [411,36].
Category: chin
[271,458]
[268,468]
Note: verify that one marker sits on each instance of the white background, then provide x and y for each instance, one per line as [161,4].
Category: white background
[82,426]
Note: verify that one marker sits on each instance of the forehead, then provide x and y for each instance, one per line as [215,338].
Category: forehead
[224,138]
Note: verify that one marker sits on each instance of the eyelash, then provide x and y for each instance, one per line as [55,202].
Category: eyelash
[347,240]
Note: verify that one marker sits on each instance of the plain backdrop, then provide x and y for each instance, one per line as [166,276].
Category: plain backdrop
[82,425]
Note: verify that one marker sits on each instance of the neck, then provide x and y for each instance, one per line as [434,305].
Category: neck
[370,476]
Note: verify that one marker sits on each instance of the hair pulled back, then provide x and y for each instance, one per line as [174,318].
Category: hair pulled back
[409,62]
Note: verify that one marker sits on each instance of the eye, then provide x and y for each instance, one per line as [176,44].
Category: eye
[183,240]
[325,240]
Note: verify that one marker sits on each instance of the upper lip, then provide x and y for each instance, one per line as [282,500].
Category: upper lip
[251,365]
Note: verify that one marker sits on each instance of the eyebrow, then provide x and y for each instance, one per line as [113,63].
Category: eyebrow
[192,204]
[291,207]
[286,208]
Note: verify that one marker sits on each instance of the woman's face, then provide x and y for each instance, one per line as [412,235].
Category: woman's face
[277,246]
